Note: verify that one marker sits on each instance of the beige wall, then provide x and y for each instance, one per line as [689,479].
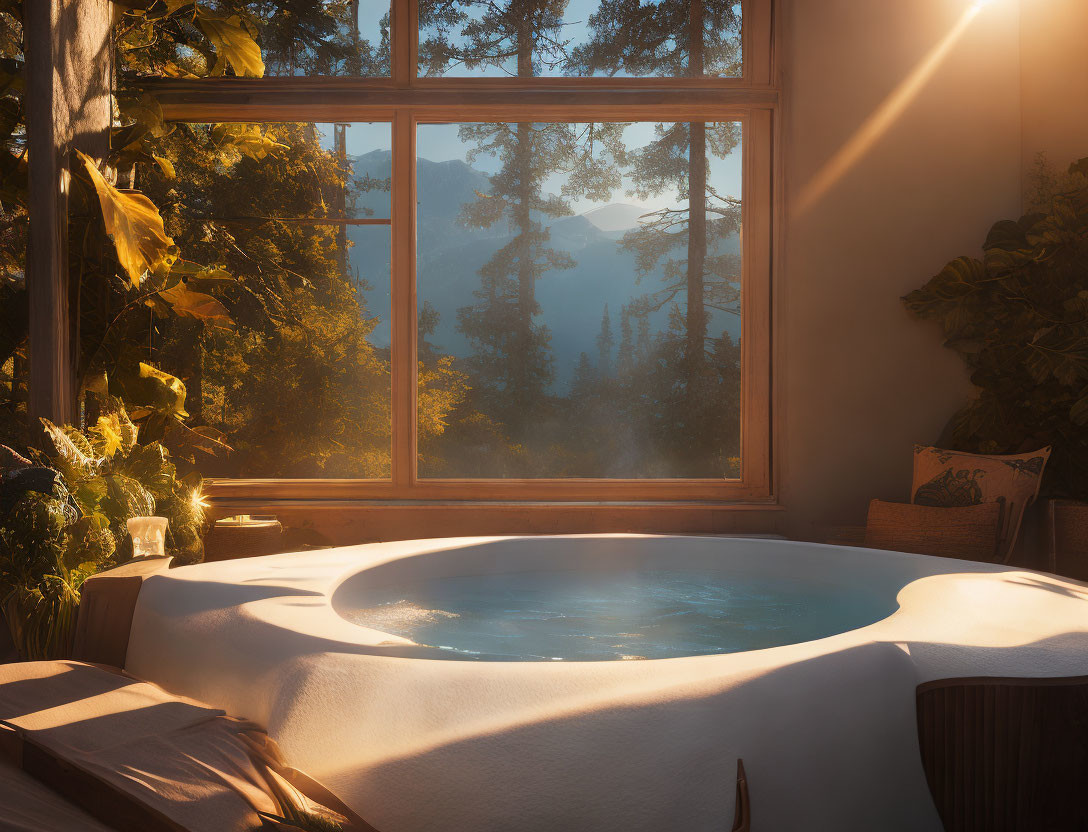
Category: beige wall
[858,380]
[1054,81]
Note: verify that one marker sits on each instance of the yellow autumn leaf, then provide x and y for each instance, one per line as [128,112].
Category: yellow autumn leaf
[166,166]
[183,301]
[247,139]
[133,223]
[107,433]
[97,383]
[234,44]
[146,110]
[189,271]
[168,393]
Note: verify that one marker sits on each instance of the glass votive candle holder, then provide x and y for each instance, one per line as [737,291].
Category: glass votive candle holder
[148,536]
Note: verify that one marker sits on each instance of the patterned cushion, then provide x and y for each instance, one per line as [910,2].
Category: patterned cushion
[968,532]
[953,478]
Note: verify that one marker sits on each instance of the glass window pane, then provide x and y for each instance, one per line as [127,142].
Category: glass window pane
[237,37]
[15,424]
[581,38]
[279,226]
[14,324]
[579,312]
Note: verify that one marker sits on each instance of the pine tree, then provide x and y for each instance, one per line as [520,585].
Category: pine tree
[671,38]
[516,37]
[511,366]
[512,361]
[674,39]
[605,342]
[625,356]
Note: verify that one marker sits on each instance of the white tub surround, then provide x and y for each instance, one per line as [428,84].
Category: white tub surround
[826,728]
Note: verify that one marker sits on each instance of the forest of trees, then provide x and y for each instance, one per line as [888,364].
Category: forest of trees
[260,314]
[671,406]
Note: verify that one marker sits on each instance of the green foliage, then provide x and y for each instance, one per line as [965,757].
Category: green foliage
[13,228]
[246,37]
[299,328]
[50,542]
[254,313]
[224,319]
[121,259]
[133,223]
[1019,318]
[44,558]
[478,33]
[512,365]
[676,397]
[623,29]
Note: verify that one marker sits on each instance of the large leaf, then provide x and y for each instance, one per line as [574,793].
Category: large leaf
[107,435]
[89,494]
[147,111]
[1002,262]
[1061,227]
[1010,234]
[75,456]
[1068,367]
[170,390]
[233,41]
[97,383]
[126,497]
[153,391]
[166,166]
[151,465]
[134,225]
[183,301]
[948,296]
[956,280]
[248,139]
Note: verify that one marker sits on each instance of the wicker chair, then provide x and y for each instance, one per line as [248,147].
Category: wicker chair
[968,532]
[1067,533]
[1006,755]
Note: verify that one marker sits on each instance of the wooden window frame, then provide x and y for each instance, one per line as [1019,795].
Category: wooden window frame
[405,101]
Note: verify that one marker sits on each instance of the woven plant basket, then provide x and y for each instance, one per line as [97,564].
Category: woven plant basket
[229,540]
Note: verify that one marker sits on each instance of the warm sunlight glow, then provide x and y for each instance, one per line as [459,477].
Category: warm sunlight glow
[885,115]
[199,500]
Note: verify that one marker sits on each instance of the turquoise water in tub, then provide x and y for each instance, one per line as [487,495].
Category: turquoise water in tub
[580,616]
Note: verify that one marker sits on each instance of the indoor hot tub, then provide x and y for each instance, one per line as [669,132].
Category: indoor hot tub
[605,682]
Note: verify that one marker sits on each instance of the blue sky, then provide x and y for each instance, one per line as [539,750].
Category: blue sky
[575,31]
[440,143]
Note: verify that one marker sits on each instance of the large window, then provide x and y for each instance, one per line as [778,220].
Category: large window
[480,250]
[585,280]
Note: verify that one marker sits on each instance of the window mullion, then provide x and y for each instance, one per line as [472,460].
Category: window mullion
[759,41]
[404,35]
[403,362]
[756,347]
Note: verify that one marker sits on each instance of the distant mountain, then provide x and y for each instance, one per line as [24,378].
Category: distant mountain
[619,216]
[450,255]
[442,188]
[574,233]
